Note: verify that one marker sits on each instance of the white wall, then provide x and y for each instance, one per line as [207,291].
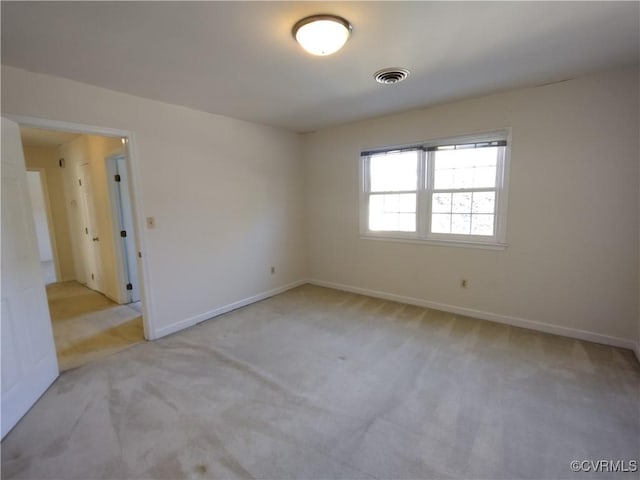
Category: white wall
[572,260]
[226,195]
[74,153]
[47,159]
[228,201]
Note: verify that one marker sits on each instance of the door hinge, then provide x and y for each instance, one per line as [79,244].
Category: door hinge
[92,277]
[129,286]
[123,233]
[116,177]
[86,230]
[79,182]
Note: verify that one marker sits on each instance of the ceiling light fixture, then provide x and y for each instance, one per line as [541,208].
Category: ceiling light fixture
[322,34]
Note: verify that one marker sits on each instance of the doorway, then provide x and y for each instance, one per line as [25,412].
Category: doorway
[88,326]
[37,186]
[94,298]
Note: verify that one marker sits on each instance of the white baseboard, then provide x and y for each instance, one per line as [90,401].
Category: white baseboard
[188,322]
[494,317]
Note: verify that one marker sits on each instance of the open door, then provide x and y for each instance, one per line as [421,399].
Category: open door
[123,218]
[29,363]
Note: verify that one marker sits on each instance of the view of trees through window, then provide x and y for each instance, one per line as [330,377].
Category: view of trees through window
[463,198]
[435,191]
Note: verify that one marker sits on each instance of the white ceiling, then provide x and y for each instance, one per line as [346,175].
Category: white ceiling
[239,58]
[37,137]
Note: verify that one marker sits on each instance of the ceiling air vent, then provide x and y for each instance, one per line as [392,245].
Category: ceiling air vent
[391,75]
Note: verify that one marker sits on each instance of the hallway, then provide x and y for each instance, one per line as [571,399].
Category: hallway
[87,325]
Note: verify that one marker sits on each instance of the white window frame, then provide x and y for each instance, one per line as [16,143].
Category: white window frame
[426,165]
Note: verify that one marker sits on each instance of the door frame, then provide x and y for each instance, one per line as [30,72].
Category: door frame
[133,166]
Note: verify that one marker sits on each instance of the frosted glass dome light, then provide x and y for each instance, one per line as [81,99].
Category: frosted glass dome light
[322,34]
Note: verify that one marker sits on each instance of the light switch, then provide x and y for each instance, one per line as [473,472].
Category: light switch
[151,222]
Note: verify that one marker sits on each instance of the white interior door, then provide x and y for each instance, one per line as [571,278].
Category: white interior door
[29,363]
[90,236]
[125,219]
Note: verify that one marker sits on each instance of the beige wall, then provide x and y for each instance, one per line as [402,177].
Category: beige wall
[572,262]
[229,201]
[92,150]
[74,154]
[227,195]
[47,159]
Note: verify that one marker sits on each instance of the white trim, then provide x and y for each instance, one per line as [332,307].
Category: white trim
[189,322]
[503,191]
[139,225]
[494,317]
[63,126]
[144,279]
[437,243]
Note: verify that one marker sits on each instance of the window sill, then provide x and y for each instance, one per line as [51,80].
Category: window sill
[438,243]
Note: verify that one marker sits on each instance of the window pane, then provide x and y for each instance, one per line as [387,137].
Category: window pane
[440,223]
[461,202]
[394,171]
[484,177]
[483,202]
[406,222]
[407,203]
[463,177]
[466,168]
[390,203]
[461,224]
[441,203]
[392,212]
[444,179]
[482,225]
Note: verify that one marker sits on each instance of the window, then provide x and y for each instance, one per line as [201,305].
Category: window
[452,190]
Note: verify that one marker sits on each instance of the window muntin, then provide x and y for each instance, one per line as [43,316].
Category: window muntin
[459,193]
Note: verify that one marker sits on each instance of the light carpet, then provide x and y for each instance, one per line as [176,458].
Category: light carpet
[88,326]
[321,384]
